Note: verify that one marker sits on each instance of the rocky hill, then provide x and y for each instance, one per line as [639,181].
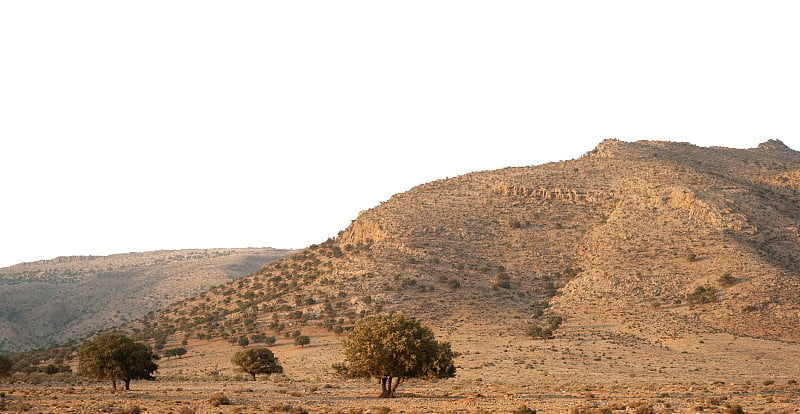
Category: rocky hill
[53,301]
[657,239]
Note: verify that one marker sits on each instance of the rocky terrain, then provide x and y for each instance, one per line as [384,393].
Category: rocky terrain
[668,239]
[54,301]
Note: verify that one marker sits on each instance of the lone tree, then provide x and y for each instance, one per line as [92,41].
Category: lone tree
[393,348]
[115,357]
[257,361]
[178,352]
[302,340]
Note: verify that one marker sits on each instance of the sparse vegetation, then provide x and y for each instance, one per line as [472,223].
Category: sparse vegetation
[701,295]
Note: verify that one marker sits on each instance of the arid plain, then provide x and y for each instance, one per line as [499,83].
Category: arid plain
[586,369]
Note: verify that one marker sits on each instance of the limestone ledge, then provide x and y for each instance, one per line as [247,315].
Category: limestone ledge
[564,194]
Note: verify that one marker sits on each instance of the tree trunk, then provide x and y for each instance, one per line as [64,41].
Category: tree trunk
[386,387]
[127,385]
[396,384]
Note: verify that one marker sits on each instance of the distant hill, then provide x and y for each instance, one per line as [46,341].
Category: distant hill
[54,301]
[655,239]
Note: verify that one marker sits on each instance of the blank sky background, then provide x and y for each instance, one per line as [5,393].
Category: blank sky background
[133,126]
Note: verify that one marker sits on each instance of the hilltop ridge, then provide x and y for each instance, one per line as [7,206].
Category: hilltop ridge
[630,225]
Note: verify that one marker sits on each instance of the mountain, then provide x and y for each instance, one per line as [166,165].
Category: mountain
[704,239]
[54,301]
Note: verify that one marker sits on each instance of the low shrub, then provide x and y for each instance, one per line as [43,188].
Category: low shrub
[286,408]
[134,409]
[523,409]
[734,409]
[726,280]
[219,399]
[702,294]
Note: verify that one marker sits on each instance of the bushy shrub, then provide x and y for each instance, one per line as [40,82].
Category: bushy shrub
[243,341]
[726,280]
[286,408]
[538,330]
[523,409]
[218,399]
[131,410]
[702,294]
[505,284]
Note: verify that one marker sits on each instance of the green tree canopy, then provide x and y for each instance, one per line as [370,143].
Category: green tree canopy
[257,361]
[393,348]
[115,357]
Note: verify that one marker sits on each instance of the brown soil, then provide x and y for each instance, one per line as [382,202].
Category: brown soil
[589,367]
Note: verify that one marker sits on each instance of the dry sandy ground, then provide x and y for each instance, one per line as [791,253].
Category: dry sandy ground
[586,369]
[359,397]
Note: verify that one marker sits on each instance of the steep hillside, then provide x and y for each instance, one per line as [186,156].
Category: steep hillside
[650,247]
[53,301]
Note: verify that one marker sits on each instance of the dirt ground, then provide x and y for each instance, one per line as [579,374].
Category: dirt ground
[587,369]
[183,397]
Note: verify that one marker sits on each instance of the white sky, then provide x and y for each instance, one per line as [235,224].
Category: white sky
[145,125]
